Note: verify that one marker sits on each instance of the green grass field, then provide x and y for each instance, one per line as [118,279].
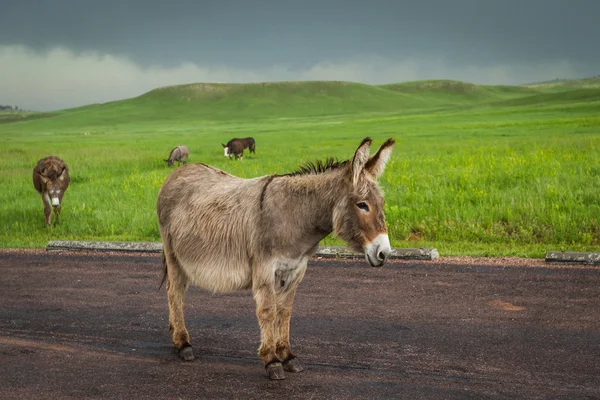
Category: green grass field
[477,170]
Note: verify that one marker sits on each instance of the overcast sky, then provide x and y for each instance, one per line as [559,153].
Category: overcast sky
[63,53]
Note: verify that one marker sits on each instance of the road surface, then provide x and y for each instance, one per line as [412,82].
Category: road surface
[94,325]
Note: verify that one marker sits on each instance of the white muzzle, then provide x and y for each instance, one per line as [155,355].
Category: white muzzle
[378,251]
[55,202]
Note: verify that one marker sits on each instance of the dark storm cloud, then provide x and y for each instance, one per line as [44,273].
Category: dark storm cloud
[64,53]
[266,32]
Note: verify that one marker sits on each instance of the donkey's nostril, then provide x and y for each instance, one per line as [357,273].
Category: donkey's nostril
[381,256]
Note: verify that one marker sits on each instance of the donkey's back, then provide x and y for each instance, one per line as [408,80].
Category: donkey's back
[250,143]
[208,218]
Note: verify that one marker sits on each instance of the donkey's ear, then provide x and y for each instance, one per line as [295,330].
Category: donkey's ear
[42,174]
[224,145]
[61,176]
[360,159]
[377,162]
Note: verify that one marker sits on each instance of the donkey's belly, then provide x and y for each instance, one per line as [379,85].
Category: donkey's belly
[218,277]
[221,277]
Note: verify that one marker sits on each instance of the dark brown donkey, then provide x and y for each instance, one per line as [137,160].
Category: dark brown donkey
[225,233]
[235,147]
[51,180]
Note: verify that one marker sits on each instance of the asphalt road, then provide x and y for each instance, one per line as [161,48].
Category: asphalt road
[87,325]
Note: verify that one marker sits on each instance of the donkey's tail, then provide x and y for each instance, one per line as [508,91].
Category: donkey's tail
[252,147]
[164,263]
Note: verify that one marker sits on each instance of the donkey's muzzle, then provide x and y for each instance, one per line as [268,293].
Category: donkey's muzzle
[378,251]
[55,202]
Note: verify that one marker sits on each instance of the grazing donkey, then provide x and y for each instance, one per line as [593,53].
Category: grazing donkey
[235,147]
[51,180]
[179,154]
[225,233]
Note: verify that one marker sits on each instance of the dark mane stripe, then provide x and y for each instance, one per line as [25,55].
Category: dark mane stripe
[318,167]
[264,190]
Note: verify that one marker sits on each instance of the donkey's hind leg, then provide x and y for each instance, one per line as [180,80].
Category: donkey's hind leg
[177,284]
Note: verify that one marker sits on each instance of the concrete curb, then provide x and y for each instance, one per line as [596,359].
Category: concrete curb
[144,247]
[397,253]
[156,247]
[573,257]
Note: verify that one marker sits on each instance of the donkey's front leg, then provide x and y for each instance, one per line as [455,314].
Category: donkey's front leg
[285,300]
[266,312]
[47,211]
[57,214]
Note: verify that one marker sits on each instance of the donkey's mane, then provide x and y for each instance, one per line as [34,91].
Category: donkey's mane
[318,167]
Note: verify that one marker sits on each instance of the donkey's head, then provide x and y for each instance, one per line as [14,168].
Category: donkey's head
[172,156]
[225,150]
[359,218]
[56,181]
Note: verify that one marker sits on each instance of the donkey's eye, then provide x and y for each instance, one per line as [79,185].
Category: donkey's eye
[363,206]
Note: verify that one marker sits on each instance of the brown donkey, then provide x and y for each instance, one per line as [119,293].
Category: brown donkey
[51,180]
[225,233]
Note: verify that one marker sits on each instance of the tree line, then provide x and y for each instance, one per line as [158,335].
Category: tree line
[8,108]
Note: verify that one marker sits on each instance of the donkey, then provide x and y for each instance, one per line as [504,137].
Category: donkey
[235,147]
[51,180]
[179,154]
[224,233]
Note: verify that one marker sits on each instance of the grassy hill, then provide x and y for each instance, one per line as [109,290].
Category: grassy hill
[219,102]
[210,101]
[236,102]
[452,93]
[589,96]
[558,85]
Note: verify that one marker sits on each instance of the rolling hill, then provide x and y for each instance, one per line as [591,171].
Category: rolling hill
[452,93]
[559,85]
[237,102]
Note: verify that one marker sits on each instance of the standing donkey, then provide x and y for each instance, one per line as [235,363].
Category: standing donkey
[51,180]
[235,147]
[225,233]
[179,154]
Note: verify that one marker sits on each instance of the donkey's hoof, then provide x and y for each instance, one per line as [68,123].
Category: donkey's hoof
[292,365]
[275,371]
[186,353]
